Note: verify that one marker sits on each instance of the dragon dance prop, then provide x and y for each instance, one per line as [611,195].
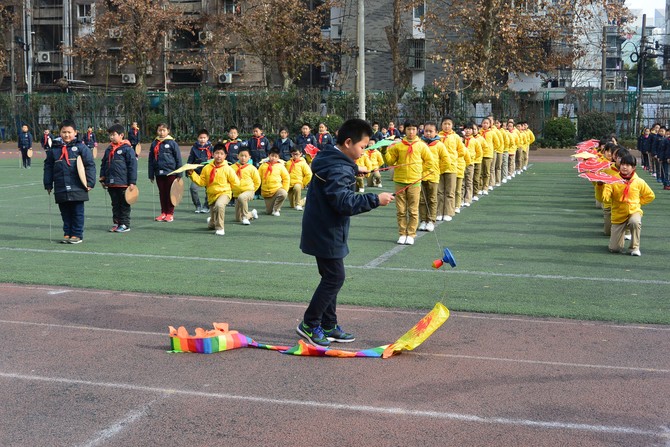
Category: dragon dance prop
[600,176]
[592,165]
[222,339]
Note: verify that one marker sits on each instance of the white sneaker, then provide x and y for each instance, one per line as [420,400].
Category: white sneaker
[361,190]
[475,198]
[254,214]
[298,208]
[379,186]
[430,226]
[490,189]
[466,204]
[438,218]
[422,226]
[409,240]
[457,210]
[525,168]
[245,221]
[504,180]
[497,184]
[402,240]
[447,218]
[509,177]
[209,219]
[636,253]
[486,193]
[219,232]
[275,213]
[627,237]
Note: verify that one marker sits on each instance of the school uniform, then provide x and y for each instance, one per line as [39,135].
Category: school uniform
[134,137]
[431,184]
[644,146]
[474,150]
[376,161]
[275,182]
[258,148]
[164,157]
[323,139]
[118,170]
[285,146]
[46,142]
[233,148]
[491,139]
[199,154]
[300,174]
[446,193]
[363,162]
[61,177]
[90,140]
[243,192]
[25,142]
[218,182]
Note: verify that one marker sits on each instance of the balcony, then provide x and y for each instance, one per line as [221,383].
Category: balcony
[48,15]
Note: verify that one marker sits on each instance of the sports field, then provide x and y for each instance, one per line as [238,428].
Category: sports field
[533,247]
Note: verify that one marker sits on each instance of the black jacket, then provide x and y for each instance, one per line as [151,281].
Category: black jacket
[166,160]
[119,166]
[331,201]
[62,178]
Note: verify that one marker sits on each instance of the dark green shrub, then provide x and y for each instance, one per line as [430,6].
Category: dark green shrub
[559,132]
[595,125]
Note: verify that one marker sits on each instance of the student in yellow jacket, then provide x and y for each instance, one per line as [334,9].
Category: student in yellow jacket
[415,160]
[300,175]
[250,181]
[218,179]
[500,152]
[275,181]
[376,161]
[475,151]
[363,162]
[530,139]
[511,145]
[627,200]
[477,184]
[523,142]
[491,138]
[613,170]
[430,185]
[446,193]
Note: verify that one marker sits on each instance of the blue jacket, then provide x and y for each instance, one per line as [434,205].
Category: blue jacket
[134,137]
[324,139]
[62,178]
[233,148]
[166,160]
[89,141]
[25,140]
[200,154]
[301,141]
[258,148]
[284,147]
[331,201]
[119,167]
[644,144]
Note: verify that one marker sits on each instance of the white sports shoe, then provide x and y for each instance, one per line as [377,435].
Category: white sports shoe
[466,204]
[438,218]
[208,219]
[298,208]
[636,253]
[475,198]
[254,214]
[627,237]
[402,240]
[219,232]
[275,213]
[447,218]
[486,193]
[245,221]
[409,240]
[361,190]
[457,210]
[504,180]
[422,226]
[379,186]
[430,226]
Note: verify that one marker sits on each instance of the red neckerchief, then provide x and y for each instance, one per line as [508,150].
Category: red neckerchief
[410,149]
[46,139]
[483,132]
[628,180]
[391,130]
[157,148]
[64,154]
[290,168]
[114,147]
[212,174]
[321,135]
[206,149]
[269,171]
[240,167]
[258,141]
[88,136]
[467,141]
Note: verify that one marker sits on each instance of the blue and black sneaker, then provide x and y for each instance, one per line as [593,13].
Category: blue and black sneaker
[336,334]
[314,336]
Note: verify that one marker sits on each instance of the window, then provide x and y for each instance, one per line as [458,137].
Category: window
[85,11]
[87,68]
[230,6]
[417,54]
[419,11]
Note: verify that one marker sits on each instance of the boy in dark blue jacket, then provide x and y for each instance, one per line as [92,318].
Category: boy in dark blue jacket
[305,138]
[25,143]
[134,135]
[118,172]
[331,201]
[60,176]
[201,152]
[164,157]
[259,145]
[89,138]
[284,144]
[233,145]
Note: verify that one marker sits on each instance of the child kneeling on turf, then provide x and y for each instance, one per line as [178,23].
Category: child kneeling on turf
[218,179]
[250,181]
[627,199]
[274,183]
[300,174]
[118,172]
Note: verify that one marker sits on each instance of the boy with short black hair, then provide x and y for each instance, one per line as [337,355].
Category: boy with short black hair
[164,157]
[60,175]
[275,181]
[201,153]
[90,139]
[46,141]
[300,175]
[250,181]
[305,137]
[233,144]
[25,142]
[258,144]
[284,144]
[118,172]
[219,179]
[134,136]
[325,228]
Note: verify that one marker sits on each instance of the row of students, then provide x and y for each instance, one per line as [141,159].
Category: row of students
[654,147]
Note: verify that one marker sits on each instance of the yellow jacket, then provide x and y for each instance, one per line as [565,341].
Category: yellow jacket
[627,198]
[599,187]
[456,149]
[441,159]
[299,172]
[364,162]
[223,181]
[416,158]
[248,176]
[274,177]
[503,137]
[375,157]
[512,142]
[474,147]
[530,139]
[490,138]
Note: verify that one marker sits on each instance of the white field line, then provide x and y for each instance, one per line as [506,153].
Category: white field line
[420,354]
[357,267]
[21,185]
[117,427]
[661,433]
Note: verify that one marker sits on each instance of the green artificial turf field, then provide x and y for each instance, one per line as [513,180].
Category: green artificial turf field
[533,246]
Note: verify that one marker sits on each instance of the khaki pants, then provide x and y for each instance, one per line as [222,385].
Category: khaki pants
[524,158]
[458,197]
[617,241]
[217,212]
[428,202]
[407,209]
[375,178]
[360,183]
[446,193]
[510,163]
[295,195]
[486,173]
[477,178]
[273,203]
[607,221]
[497,178]
[519,160]
[468,183]
[242,206]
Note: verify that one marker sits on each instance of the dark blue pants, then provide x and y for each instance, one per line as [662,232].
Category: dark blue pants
[73,218]
[666,175]
[322,307]
[24,157]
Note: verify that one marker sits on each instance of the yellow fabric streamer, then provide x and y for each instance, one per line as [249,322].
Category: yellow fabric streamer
[420,332]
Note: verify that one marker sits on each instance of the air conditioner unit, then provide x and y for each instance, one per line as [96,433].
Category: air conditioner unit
[85,20]
[115,33]
[324,67]
[43,57]
[148,69]
[204,36]
[128,78]
[226,78]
